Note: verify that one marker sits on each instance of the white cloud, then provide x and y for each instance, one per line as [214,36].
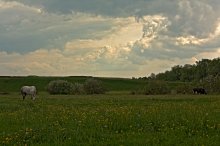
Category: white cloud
[152,26]
[46,38]
[192,40]
[111,55]
[207,54]
[189,40]
[20,23]
[19,6]
[123,30]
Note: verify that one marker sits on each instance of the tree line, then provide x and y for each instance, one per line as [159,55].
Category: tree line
[204,73]
[204,69]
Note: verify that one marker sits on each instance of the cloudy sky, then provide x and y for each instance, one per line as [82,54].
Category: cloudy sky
[113,38]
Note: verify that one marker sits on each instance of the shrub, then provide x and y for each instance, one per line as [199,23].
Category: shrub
[156,87]
[184,89]
[78,88]
[93,86]
[211,84]
[60,87]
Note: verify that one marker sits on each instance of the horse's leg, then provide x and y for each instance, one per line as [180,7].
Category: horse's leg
[24,96]
[33,97]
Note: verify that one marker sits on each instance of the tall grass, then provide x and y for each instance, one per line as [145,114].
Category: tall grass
[110,120]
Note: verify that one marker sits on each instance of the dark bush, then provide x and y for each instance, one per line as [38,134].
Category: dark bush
[78,89]
[184,88]
[93,86]
[60,87]
[156,87]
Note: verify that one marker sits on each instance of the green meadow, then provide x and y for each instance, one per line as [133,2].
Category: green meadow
[116,118]
[110,120]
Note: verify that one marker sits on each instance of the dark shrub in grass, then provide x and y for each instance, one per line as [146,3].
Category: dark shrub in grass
[78,89]
[154,87]
[60,87]
[93,86]
[185,89]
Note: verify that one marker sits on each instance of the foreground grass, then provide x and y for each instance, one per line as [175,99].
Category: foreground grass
[110,120]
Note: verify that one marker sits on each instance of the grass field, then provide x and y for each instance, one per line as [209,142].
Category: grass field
[103,120]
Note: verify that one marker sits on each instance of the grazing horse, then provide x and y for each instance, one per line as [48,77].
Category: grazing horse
[199,91]
[28,90]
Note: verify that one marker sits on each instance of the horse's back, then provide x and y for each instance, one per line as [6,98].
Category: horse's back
[28,89]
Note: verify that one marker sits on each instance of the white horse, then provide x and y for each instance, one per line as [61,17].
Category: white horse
[28,90]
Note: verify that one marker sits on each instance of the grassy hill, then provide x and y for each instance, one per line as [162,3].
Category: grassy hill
[13,84]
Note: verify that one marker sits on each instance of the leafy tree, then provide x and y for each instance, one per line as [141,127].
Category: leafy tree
[93,86]
[78,89]
[156,87]
[60,87]
[189,73]
[204,73]
[202,68]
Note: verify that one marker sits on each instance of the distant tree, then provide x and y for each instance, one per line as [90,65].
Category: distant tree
[93,86]
[156,87]
[204,73]
[152,76]
[202,68]
[78,88]
[185,88]
[187,73]
[214,67]
[60,87]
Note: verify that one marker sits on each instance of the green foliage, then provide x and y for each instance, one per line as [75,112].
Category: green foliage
[60,87]
[93,86]
[78,89]
[204,74]
[189,73]
[156,87]
[185,88]
[110,120]
[210,83]
[153,87]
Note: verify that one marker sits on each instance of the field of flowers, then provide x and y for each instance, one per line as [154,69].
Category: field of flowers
[110,120]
